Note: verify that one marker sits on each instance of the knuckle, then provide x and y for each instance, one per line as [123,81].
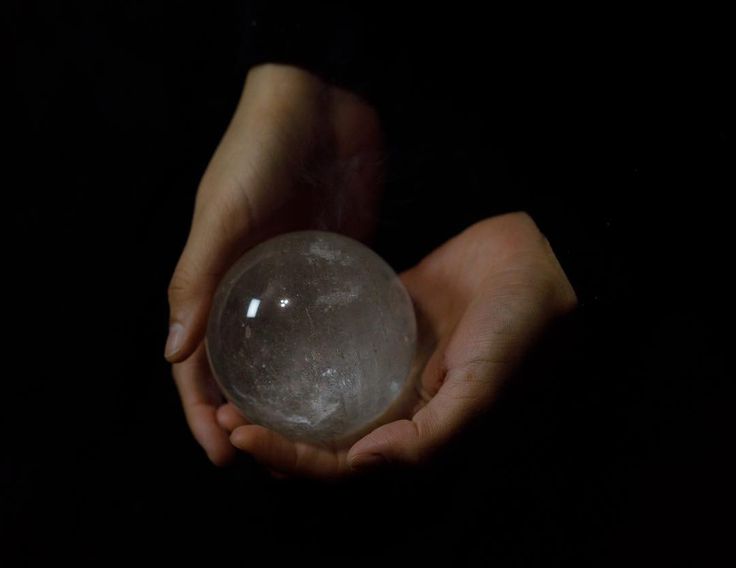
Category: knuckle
[432,433]
[553,284]
[561,293]
[223,223]
[568,298]
[421,434]
[182,285]
[473,382]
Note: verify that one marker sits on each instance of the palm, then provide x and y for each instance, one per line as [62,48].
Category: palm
[481,299]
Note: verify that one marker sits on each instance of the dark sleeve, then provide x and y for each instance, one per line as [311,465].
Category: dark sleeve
[486,116]
[347,44]
[453,92]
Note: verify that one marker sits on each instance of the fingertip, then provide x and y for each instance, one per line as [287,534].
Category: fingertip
[180,343]
[367,461]
[266,446]
[216,445]
[187,328]
[213,439]
[221,454]
[397,441]
[245,437]
[175,351]
[229,418]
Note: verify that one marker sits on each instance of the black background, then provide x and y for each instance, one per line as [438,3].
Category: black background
[611,446]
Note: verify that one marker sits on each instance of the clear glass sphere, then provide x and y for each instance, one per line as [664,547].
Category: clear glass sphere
[313,335]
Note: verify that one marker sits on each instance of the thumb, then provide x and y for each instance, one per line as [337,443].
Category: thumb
[489,341]
[247,172]
[414,441]
[220,232]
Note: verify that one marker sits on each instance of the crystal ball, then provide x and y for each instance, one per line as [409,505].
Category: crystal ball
[312,335]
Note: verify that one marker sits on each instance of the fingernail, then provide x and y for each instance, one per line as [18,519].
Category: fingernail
[174,341]
[365,462]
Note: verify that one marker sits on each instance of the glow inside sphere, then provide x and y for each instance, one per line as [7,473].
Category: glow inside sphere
[313,335]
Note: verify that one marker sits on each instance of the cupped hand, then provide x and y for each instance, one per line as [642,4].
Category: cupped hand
[484,297]
[298,153]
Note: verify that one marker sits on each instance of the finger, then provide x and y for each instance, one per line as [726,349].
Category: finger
[229,418]
[200,399]
[218,235]
[412,441]
[287,457]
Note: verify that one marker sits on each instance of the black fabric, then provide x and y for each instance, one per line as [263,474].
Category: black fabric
[345,43]
[535,112]
[615,131]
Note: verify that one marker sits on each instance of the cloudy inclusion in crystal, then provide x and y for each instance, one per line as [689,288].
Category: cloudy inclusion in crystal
[313,335]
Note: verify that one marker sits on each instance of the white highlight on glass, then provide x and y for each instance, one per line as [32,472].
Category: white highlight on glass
[253,308]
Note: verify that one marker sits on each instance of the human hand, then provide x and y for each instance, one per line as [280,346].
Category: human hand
[298,154]
[484,297]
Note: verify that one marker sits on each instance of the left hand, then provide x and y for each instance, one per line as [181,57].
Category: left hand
[299,153]
[486,295]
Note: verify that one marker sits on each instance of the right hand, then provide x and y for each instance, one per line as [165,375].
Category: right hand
[298,153]
[486,296]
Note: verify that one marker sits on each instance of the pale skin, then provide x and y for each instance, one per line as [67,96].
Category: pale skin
[301,153]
